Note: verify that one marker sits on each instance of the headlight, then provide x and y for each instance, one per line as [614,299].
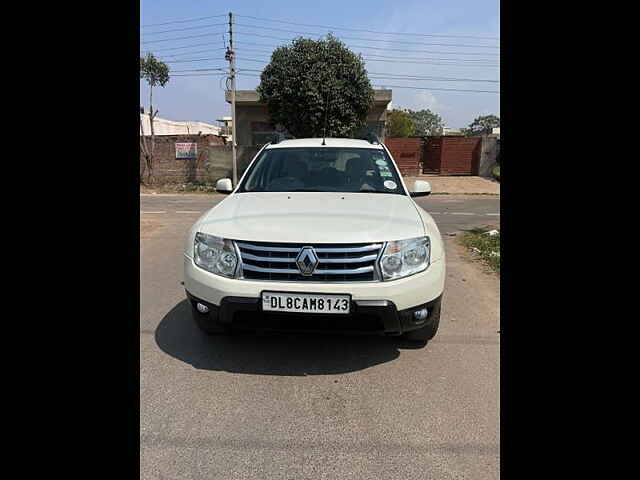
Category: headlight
[405,257]
[214,254]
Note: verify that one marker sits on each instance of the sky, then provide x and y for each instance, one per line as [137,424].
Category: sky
[452,55]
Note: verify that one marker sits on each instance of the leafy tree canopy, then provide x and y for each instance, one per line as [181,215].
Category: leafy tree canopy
[482,125]
[309,78]
[427,122]
[399,124]
[154,71]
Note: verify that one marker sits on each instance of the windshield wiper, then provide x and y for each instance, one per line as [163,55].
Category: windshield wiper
[306,190]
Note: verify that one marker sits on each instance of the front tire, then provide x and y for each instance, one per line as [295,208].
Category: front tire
[424,334]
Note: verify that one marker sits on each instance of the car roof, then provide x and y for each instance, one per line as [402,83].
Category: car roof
[330,142]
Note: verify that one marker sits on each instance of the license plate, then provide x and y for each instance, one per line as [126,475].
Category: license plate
[305,303]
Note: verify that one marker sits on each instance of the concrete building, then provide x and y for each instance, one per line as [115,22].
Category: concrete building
[162,126]
[451,131]
[226,125]
[252,117]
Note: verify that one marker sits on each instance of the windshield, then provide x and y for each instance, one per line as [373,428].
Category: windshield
[323,169]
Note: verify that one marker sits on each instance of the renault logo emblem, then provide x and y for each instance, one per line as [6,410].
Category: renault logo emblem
[307,261]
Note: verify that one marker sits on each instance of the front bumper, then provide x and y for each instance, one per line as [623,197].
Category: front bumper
[404,293]
[245,313]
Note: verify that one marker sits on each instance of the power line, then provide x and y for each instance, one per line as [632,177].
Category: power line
[392,61]
[391,76]
[183,29]
[201,75]
[193,52]
[437,79]
[184,46]
[395,57]
[390,49]
[194,60]
[184,38]
[372,39]
[430,88]
[374,86]
[220,69]
[183,21]
[367,31]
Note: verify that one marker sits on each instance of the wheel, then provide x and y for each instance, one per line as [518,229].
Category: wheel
[426,333]
[208,323]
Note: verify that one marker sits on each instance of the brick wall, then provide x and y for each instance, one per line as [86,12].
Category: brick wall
[407,152]
[460,155]
[168,169]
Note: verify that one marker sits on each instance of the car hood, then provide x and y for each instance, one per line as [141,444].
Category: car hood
[310,217]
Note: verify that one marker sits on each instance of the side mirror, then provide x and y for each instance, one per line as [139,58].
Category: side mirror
[420,189]
[224,185]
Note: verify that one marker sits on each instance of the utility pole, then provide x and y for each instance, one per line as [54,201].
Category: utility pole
[231,57]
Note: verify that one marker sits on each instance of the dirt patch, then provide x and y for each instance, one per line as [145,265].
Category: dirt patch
[458,185]
[147,227]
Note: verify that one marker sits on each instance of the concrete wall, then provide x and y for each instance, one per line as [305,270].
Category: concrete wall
[220,162]
[488,156]
[245,115]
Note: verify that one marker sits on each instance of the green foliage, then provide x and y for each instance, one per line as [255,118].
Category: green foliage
[306,79]
[487,247]
[482,125]
[154,71]
[496,172]
[399,124]
[427,123]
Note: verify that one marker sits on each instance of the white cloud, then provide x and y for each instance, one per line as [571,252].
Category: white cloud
[426,100]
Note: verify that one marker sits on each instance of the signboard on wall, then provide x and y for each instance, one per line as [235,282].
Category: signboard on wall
[185,151]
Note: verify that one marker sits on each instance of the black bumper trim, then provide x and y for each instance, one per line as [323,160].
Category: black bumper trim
[385,320]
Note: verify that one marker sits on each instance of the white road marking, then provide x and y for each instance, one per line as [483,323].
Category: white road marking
[495,214]
[153,212]
[462,213]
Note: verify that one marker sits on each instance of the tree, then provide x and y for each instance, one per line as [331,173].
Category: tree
[399,124]
[155,72]
[310,82]
[483,125]
[427,123]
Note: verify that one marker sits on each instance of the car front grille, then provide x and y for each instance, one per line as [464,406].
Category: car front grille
[352,262]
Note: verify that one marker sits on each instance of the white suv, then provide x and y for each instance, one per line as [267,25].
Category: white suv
[317,235]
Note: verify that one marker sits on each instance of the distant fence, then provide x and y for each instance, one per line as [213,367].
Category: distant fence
[407,152]
[446,155]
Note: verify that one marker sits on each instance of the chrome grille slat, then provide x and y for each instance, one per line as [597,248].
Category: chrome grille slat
[318,271]
[365,248]
[336,262]
[367,258]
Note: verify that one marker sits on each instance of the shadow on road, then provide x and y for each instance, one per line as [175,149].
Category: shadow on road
[178,336]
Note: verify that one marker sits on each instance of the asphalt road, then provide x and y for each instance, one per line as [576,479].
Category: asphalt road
[314,407]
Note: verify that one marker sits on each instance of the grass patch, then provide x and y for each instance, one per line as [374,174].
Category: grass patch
[496,172]
[484,246]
